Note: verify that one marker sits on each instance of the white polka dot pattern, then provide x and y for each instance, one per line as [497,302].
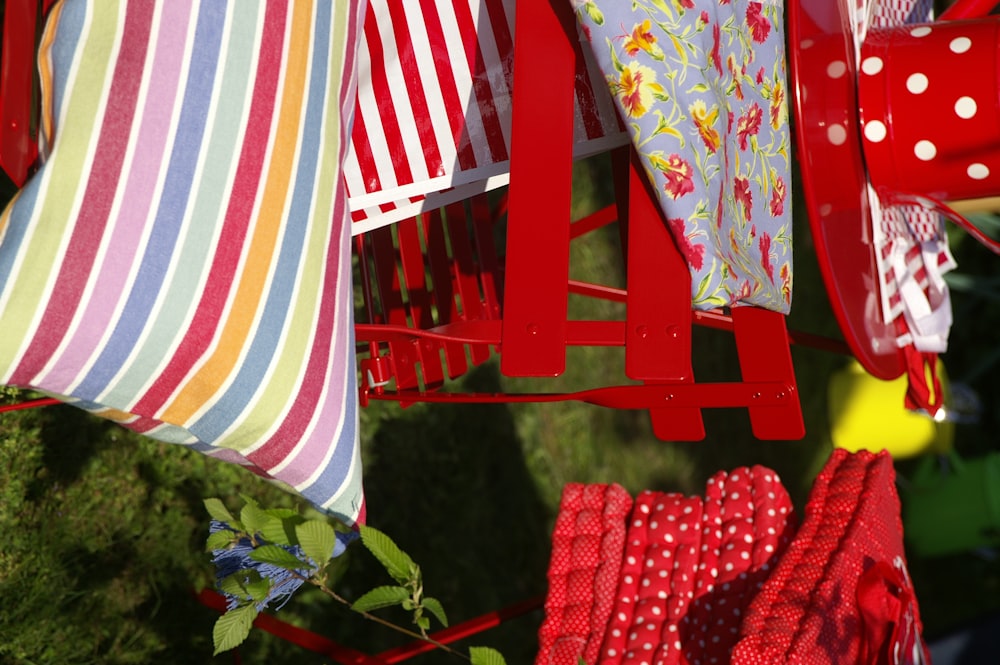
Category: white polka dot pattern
[691,566]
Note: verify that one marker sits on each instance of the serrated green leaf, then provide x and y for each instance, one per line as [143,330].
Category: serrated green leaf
[395,561]
[317,539]
[281,530]
[258,588]
[486,656]
[217,510]
[232,628]
[282,513]
[255,519]
[433,605]
[379,597]
[234,584]
[219,540]
[277,556]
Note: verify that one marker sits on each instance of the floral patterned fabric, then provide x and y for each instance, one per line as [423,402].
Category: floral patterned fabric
[701,86]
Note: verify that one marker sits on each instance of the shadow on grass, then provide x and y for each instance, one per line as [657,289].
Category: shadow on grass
[450,486]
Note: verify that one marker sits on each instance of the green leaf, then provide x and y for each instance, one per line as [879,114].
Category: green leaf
[424,623]
[219,540]
[580,661]
[281,530]
[254,518]
[486,656]
[433,605]
[317,539]
[396,562]
[235,584]
[217,510]
[379,597]
[233,627]
[277,556]
[257,589]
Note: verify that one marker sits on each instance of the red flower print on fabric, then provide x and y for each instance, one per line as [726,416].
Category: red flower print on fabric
[778,192]
[748,125]
[744,196]
[760,26]
[679,175]
[716,53]
[693,253]
[765,256]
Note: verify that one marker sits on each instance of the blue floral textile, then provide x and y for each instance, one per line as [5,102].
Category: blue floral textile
[701,86]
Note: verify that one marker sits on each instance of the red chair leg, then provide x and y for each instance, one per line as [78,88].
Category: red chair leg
[763,346]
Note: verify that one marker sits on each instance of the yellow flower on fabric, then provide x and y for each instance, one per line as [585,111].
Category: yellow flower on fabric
[635,88]
[779,107]
[704,120]
[642,39]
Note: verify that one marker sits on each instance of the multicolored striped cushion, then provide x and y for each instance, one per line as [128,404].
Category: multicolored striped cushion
[181,261]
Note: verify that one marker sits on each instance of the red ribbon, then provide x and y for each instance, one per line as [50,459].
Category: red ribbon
[890,629]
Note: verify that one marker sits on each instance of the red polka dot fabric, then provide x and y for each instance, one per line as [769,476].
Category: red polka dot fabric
[691,566]
[685,571]
[841,593]
[728,578]
[584,570]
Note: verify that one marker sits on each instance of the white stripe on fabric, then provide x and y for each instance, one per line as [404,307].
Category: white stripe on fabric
[424,58]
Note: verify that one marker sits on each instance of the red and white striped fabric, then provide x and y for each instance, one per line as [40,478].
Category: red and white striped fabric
[432,121]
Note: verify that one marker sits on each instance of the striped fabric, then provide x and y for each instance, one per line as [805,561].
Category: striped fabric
[434,107]
[181,261]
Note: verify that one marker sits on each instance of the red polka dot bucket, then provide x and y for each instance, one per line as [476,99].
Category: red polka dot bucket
[929,98]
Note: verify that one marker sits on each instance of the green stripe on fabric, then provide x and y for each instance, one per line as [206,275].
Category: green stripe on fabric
[63,182]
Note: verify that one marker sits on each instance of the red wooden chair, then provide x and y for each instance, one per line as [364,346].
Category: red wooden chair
[431,286]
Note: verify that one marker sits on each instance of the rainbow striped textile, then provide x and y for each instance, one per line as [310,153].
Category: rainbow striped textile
[181,261]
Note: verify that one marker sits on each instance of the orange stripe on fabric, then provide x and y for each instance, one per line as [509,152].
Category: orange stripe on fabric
[45,71]
[252,288]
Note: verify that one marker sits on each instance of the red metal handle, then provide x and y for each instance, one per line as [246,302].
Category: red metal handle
[964,9]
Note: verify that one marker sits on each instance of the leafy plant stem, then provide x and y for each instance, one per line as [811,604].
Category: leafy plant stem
[379,620]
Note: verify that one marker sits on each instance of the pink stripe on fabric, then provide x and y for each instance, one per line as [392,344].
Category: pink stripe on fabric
[98,198]
[241,201]
[481,84]
[449,90]
[161,97]
[387,111]
[415,90]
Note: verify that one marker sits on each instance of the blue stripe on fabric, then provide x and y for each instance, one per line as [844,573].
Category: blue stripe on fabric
[277,308]
[173,202]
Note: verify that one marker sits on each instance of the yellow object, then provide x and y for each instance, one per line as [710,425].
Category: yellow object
[869,414]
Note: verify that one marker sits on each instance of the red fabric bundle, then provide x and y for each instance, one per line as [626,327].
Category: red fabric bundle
[841,593]
[583,573]
[720,579]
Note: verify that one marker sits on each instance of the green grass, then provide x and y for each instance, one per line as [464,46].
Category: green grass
[101,532]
